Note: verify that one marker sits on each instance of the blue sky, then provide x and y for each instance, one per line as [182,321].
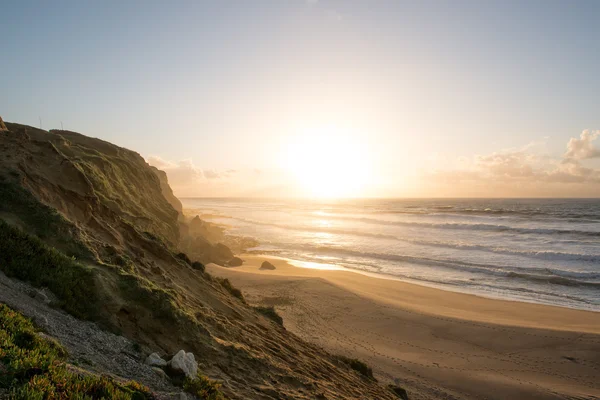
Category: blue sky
[423,87]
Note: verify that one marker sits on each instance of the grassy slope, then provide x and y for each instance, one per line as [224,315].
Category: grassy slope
[115,222]
[34,368]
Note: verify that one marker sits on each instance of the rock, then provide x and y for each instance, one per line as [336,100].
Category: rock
[2,126]
[267,265]
[185,364]
[155,360]
[161,373]
[222,252]
[235,262]
[168,193]
[196,223]
[41,296]
[201,249]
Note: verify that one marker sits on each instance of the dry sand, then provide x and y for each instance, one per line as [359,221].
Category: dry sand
[436,344]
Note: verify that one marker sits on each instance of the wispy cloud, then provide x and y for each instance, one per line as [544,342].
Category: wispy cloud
[180,171]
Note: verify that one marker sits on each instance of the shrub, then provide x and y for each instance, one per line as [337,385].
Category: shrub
[27,258]
[203,388]
[198,266]
[399,392]
[270,313]
[231,289]
[358,366]
[159,301]
[42,220]
[34,367]
[184,257]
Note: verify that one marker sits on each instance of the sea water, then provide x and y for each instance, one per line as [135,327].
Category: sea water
[544,251]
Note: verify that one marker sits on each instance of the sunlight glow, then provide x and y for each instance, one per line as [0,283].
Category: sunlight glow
[328,162]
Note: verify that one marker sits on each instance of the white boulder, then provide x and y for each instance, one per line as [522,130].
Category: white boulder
[184,363]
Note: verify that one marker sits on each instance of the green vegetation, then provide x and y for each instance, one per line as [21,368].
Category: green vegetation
[141,291]
[270,313]
[203,388]
[231,289]
[197,265]
[185,258]
[43,221]
[358,366]
[399,392]
[27,258]
[34,368]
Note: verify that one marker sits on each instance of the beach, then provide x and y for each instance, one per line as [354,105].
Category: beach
[544,251]
[435,343]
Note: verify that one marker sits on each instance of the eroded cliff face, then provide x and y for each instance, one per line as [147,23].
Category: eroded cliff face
[168,192]
[103,208]
[107,190]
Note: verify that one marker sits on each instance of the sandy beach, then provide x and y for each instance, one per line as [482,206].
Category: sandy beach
[437,344]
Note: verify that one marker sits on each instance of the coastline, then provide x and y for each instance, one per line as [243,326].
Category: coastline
[430,340]
[434,300]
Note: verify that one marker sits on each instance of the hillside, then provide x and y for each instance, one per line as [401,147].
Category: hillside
[96,225]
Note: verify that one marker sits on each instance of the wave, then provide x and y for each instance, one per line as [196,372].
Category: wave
[554,276]
[537,275]
[463,226]
[555,280]
[541,254]
[544,255]
[557,213]
[311,229]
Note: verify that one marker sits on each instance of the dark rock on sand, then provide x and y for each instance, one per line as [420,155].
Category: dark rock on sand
[267,265]
[235,262]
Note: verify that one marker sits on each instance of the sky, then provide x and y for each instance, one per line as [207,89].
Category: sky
[321,98]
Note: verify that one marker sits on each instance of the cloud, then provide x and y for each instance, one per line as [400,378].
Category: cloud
[524,166]
[509,165]
[183,175]
[570,171]
[583,148]
[211,174]
[187,179]
[183,170]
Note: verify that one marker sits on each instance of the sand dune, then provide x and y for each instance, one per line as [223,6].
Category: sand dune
[437,344]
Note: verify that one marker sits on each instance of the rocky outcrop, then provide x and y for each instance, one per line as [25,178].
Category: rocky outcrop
[267,265]
[109,191]
[2,126]
[235,262]
[168,192]
[198,248]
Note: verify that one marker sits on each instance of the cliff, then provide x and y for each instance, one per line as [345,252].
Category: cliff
[98,227]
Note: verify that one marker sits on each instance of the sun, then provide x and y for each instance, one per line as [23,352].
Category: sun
[327,162]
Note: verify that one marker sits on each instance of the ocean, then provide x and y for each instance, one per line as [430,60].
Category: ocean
[535,250]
